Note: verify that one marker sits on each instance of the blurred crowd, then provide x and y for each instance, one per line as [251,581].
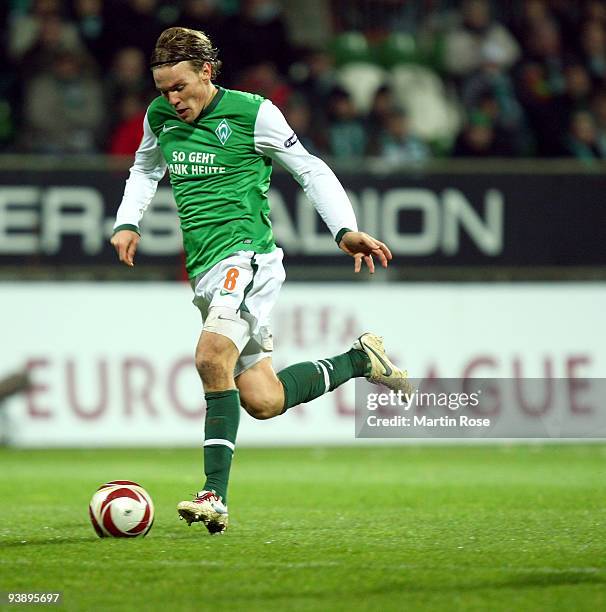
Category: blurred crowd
[397,80]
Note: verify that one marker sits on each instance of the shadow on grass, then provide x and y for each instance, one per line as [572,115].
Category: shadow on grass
[92,538]
[563,577]
[46,541]
[523,580]
[528,580]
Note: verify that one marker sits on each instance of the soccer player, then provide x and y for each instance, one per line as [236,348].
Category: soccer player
[218,145]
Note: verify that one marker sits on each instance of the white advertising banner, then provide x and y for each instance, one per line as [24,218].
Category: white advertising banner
[112,364]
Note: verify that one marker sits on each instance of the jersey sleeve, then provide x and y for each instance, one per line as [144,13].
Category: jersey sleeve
[276,139]
[141,185]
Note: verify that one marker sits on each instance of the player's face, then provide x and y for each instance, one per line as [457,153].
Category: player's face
[186,89]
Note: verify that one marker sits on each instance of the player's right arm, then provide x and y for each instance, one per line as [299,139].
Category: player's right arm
[148,169]
[276,139]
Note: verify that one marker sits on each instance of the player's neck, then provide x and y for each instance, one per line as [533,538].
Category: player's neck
[212,92]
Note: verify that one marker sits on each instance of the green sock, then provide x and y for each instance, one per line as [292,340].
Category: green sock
[305,381]
[220,429]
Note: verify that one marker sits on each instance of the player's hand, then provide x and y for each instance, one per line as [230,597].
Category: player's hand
[363,247]
[125,242]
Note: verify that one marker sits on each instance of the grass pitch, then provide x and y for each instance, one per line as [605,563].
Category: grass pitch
[427,528]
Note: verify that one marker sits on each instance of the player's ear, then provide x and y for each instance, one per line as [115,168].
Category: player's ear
[207,70]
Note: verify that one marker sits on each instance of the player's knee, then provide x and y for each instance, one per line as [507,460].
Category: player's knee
[212,368]
[261,408]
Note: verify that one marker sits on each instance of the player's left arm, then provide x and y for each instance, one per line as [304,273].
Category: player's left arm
[276,139]
[148,169]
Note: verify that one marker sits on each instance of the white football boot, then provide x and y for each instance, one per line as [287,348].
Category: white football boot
[208,508]
[382,370]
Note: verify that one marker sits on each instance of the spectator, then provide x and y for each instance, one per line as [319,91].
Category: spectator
[42,27]
[595,10]
[558,110]
[346,134]
[127,134]
[397,145]
[50,42]
[491,86]
[64,108]
[542,72]
[477,139]
[205,15]
[582,138]
[381,109]
[299,117]
[577,95]
[134,22]
[567,15]
[93,25]
[593,45]
[128,75]
[256,35]
[476,29]
[264,79]
[542,86]
[530,14]
[316,78]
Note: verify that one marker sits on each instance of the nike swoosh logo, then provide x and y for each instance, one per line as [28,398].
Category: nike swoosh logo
[388,370]
[168,129]
[223,292]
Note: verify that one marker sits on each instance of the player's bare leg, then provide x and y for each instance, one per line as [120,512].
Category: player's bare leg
[216,357]
[265,394]
[261,391]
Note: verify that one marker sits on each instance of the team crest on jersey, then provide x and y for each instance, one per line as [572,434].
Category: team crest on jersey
[223,131]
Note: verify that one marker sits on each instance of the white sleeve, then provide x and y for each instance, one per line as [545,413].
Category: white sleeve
[141,185]
[276,139]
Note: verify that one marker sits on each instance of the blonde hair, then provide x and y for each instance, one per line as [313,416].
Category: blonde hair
[177,44]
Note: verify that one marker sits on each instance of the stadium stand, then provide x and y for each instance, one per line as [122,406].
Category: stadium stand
[515,68]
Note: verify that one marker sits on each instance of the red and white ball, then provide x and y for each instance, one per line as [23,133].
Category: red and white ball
[121,509]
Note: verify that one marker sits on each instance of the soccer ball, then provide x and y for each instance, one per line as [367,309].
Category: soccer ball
[121,509]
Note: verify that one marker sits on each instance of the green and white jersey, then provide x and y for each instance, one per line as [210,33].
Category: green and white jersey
[220,169]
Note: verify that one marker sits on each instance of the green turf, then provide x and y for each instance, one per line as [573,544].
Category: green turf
[432,528]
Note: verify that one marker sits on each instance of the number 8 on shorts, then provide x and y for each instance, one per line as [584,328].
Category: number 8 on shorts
[230,279]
